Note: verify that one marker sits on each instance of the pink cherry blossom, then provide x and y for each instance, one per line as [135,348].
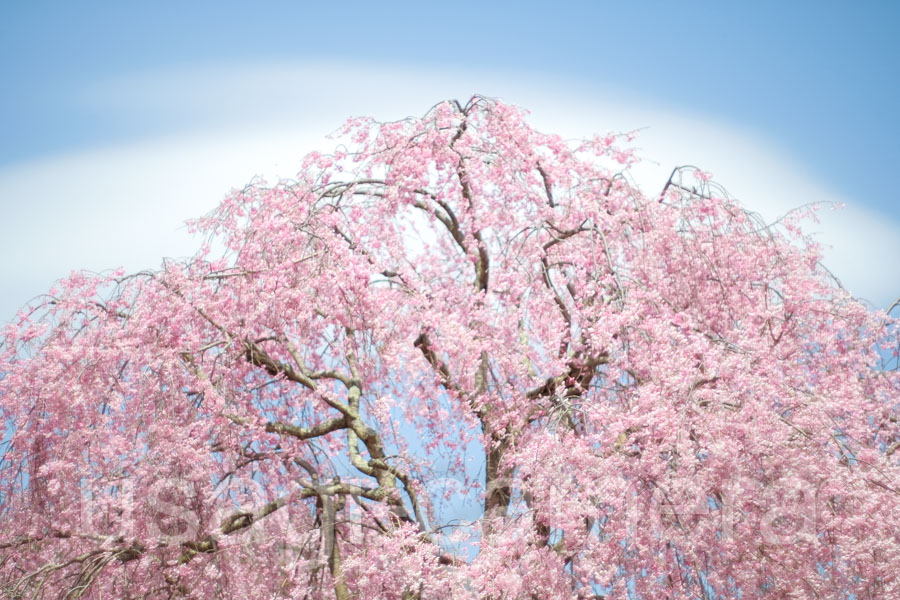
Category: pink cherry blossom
[455,315]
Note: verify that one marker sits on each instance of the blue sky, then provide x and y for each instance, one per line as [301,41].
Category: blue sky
[119,120]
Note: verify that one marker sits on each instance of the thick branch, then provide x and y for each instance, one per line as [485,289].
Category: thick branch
[305,433]
[423,343]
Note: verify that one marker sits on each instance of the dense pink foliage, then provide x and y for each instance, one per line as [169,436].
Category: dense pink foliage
[654,392]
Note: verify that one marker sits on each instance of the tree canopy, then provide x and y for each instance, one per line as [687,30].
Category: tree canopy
[647,394]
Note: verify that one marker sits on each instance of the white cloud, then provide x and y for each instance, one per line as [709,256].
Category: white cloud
[125,205]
